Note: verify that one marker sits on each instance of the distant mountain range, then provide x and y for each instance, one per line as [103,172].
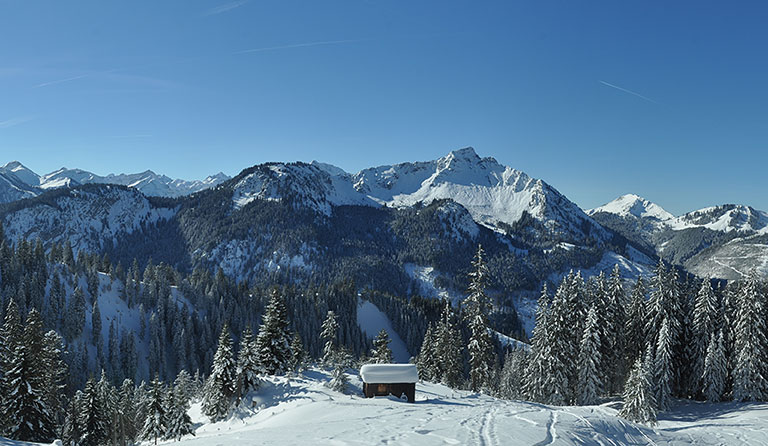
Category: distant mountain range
[720,241]
[17,182]
[315,219]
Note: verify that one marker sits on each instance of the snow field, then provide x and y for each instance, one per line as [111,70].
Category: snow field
[302,411]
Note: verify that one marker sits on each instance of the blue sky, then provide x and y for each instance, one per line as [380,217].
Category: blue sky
[664,99]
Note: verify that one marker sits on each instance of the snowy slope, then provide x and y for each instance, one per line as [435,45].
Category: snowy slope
[303,411]
[21,172]
[87,218]
[725,218]
[17,182]
[371,320]
[723,241]
[491,192]
[634,205]
[305,185]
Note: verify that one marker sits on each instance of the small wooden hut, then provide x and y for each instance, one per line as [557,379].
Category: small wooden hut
[390,379]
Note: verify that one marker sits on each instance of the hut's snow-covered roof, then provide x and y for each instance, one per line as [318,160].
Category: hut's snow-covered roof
[389,373]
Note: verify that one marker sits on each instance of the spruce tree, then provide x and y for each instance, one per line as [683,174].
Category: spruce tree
[29,417]
[156,423]
[248,368]
[476,308]
[751,366]
[704,322]
[589,358]
[639,402]
[339,380]
[220,387]
[715,369]
[96,325]
[274,340]
[427,360]
[71,431]
[449,349]
[329,334]
[381,353]
[538,365]
[75,318]
[615,362]
[10,339]
[179,422]
[92,417]
[562,354]
[511,385]
[126,414]
[299,359]
[663,368]
[635,323]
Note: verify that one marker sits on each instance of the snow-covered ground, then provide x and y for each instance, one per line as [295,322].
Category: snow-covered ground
[302,411]
[371,321]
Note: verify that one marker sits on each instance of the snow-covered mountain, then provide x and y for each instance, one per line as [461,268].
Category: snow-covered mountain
[720,241]
[633,205]
[89,218]
[12,187]
[493,194]
[17,182]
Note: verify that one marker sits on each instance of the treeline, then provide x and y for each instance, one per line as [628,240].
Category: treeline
[671,338]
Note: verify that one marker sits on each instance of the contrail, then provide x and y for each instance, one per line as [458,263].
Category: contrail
[628,91]
[61,81]
[297,45]
[225,7]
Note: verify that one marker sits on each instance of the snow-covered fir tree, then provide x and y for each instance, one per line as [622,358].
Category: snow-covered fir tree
[705,316]
[562,353]
[663,374]
[715,369]
[427,361]
[273,342]
[381,353]
[476,307]
[29,418]
[93,420]
[179,423]
[665,303]
[126,414]
[329,334]
[448,348]
[156,422]
[639,402]
[589,386]
[751,345]
[299,358]
[339,380]
[248,367]
[512,380]
[615,361]
[10,339]
[71,432]
[635,323]
[538,365]
[220,387]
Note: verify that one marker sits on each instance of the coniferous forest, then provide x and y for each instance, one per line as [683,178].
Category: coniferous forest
[64,374]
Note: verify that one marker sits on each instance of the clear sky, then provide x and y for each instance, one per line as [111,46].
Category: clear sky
[664,99]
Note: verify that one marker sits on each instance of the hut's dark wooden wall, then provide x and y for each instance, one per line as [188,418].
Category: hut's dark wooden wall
[373,389]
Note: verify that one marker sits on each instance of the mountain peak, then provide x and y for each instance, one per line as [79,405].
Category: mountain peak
[635,205]
[22,173]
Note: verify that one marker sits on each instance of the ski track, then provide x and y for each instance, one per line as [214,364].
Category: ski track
[486,436]
[550,430]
